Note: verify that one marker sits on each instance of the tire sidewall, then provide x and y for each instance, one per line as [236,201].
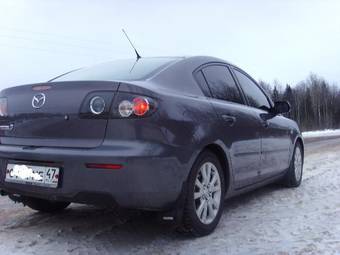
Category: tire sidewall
[294,179]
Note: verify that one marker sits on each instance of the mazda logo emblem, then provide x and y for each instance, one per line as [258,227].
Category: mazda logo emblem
[38,100]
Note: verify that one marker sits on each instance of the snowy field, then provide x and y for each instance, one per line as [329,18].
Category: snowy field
[322,133]
[271,220]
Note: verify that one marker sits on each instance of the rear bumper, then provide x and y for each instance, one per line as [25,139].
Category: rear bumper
[149,179]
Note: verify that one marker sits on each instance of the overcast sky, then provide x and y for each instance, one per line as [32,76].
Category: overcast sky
[281,39]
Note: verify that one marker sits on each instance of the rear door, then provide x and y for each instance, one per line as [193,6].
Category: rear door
[239,125]
[275,138]
[56,114]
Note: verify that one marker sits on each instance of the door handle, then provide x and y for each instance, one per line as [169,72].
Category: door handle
[7,127]
[229,119]
[265,124]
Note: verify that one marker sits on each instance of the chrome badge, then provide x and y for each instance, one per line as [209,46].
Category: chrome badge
[38,100]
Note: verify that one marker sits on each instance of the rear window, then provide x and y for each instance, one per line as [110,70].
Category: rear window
[127,69]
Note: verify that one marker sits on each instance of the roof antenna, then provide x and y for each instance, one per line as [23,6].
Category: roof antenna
[138,56]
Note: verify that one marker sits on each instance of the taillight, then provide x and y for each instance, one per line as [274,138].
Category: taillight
[140,106]
[3,107]
[125,108]
[106,105]
[127,105]
[96,105]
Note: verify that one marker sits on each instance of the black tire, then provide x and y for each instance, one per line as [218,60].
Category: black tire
[45,206]
[190,221]
[290,180]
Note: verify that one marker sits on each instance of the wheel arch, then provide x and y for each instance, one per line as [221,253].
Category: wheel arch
[224,158]
[298,139]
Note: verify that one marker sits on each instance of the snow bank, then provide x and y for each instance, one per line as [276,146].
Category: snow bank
[321,133]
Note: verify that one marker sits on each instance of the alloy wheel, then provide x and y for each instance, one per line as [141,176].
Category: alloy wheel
[298,164]
[207,193]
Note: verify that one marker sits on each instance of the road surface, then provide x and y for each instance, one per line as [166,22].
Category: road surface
[271,220]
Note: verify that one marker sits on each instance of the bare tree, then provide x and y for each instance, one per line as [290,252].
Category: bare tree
[315,103]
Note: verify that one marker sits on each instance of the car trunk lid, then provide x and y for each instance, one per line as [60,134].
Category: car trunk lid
[49,114]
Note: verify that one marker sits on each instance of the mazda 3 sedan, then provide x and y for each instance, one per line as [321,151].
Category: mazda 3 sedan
[176,135]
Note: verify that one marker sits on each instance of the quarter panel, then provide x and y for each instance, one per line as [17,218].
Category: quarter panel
[183,125]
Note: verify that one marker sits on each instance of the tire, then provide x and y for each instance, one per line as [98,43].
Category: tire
[202,214]
[45,206]
[293,177]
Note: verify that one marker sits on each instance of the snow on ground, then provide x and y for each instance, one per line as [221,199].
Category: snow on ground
[321,133]
[271,220]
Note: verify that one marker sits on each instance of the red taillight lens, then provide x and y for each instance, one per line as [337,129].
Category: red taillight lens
[140,106]
[3,107]
[104,166]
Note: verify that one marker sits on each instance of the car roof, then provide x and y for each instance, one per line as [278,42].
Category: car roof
[190,63]
[142,69]
[197,61]
[178,76]
[174,73]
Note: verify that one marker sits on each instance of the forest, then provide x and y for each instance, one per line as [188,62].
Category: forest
[315,103]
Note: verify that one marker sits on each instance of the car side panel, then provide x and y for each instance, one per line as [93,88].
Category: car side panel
[242,138]
[276,144]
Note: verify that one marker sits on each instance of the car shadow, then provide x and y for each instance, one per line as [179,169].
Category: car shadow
[117,227]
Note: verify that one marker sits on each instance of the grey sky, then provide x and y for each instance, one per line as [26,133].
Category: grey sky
[284,40]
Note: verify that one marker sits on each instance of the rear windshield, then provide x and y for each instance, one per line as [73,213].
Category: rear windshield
[127,69]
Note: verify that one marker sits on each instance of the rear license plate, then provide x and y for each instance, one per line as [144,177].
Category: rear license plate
[46,176]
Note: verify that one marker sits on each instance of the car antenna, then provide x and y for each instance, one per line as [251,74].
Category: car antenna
[137,54]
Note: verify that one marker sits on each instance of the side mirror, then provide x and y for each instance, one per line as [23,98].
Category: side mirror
[281,107]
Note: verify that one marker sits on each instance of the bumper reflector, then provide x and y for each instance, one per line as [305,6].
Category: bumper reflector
[104,166]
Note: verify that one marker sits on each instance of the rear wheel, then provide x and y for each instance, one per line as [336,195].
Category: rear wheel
[205,196]
[45,206]
[293,176]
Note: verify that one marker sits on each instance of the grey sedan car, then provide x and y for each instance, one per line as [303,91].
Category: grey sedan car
[176,135]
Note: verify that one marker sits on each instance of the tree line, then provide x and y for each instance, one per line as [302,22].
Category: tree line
[315,103]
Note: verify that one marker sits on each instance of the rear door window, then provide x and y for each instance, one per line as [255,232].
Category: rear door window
[254,94]
[202,83]
[222,84]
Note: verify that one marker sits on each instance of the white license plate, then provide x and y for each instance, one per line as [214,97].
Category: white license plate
[33,175]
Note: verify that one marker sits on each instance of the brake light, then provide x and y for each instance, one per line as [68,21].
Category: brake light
[3,107]
[138,106]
